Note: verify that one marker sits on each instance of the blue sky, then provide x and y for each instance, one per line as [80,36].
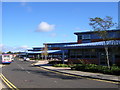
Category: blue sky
[30,24]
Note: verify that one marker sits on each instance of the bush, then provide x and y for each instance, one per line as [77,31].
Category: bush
[114,70]
[91,67]
[61,65]
[56,62]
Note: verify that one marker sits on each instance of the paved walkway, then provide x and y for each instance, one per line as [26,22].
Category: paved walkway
[2,85]
[78,73]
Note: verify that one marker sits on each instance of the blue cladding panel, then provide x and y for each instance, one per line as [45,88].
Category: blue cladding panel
[111,34]
[86,41]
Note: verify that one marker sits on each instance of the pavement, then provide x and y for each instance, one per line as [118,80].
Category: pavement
[22,74]
[66,70]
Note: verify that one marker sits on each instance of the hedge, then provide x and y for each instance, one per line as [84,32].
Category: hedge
[61,65]
[114,70]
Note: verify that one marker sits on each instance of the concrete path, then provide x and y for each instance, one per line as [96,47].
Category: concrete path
[68,70]
[2,85]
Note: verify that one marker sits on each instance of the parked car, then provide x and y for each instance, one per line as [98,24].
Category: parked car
[27,59]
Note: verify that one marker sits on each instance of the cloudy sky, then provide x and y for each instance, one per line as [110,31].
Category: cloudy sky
[30,24]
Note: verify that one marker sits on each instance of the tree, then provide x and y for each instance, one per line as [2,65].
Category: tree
[101,26]
[9,52]
[44,52]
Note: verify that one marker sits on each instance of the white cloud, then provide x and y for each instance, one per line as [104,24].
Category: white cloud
[24,4]
[24,47]
[65,35]
[1,46]
[5,48]
[81,30]
[77,28]
[53,34]
[45,27]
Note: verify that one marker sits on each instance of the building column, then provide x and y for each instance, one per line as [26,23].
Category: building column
[63,55]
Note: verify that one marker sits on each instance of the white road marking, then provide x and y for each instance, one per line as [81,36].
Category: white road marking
[23,68]
[28,72]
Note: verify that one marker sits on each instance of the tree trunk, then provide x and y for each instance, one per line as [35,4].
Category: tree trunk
[42,57]
[45,57]
[107,57]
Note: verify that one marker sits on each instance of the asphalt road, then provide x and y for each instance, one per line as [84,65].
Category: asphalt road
[23,75]
[2,85]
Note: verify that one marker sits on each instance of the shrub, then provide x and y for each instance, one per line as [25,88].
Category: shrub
[55,62]
[80,67]
[61,65]
[91,67]
[114,70]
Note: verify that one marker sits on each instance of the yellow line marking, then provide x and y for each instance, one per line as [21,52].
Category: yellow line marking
[60,73]
[6,83]
[104,81]
[3,77]
[78,76]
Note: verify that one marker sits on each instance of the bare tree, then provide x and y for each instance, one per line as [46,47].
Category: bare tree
[42,53]
[45,53]
[101,26]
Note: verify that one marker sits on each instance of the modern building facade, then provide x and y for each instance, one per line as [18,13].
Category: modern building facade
[57,46]
[91,48]
[62,54]
[92,36]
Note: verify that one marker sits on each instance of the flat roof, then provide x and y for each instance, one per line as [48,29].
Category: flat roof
[94,44]
[92,31]
[49,51]
[60,43]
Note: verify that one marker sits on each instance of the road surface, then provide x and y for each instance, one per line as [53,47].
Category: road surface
[2,85]
[23,75]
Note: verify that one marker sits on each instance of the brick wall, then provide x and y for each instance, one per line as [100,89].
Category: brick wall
[87,61]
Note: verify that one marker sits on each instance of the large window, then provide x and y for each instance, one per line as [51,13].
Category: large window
[83,53]
[79,37]
[85,36]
